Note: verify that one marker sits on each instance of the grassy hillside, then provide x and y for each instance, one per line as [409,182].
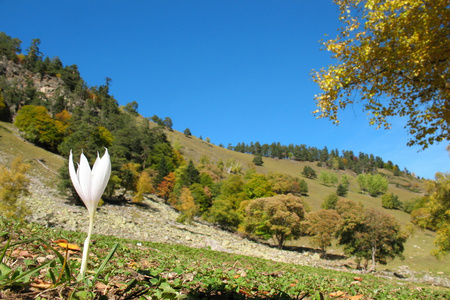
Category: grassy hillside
[418,247]
[43,163]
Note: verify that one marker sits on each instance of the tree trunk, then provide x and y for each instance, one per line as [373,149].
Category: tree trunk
[374,251]
[280,238]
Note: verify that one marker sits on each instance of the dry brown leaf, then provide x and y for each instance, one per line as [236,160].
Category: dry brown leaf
[121,285]
[22,253]
[337,294]
[40,284]
[358,279]
[101,286]
[60,241]
[357,297]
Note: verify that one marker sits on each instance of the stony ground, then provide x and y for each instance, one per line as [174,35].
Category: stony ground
[153,220]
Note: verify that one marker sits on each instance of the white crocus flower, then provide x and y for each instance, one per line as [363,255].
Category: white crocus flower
[90,185]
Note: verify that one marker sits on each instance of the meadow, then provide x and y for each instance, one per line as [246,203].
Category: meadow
[43,264]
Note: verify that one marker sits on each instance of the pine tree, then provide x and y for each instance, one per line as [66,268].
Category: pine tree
[257,159]
[341,190]
[191,175]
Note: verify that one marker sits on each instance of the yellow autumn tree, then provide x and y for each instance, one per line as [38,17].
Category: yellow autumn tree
[393,57]
[37,126]
[13,184]
[130,175]
[144,186]
[436,212]
[187,206]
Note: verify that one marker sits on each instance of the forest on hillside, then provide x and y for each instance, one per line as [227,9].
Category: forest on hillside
[87,119]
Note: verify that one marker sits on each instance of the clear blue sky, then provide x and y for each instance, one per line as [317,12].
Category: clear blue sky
[233,71]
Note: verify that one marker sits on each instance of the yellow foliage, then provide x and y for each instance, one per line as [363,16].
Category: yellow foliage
[132,167]
[187,205]
[144,186]
[186,200]
[63,116]
[132,175]
[13,184]
[397,50]
[39,127]
[105,136]
[21,57]
[436,213]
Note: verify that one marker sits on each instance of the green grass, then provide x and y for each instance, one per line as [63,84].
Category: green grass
[11,146]
[145,270]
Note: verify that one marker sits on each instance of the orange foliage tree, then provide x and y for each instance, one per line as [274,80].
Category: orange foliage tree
[323,225]
[165,188]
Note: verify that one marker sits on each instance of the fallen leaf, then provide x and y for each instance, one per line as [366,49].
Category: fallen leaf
[121,286]
[60,241]
[22,253]
[337,294]
[241,291]
[101,286]
[358,279]
[73,247]
[357,297]
[40,284]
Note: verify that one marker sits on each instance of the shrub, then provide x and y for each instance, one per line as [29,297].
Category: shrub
[279,217]
[309,172]
[330,201]
[373,184]
[13,184]
[390,201]
[223,213]
[323,225]
[341,190]
[412,204]
[328,178]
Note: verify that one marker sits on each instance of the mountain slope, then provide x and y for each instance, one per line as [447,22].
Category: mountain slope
[417,248]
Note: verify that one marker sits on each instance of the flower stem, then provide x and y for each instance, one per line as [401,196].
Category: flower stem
[86,247]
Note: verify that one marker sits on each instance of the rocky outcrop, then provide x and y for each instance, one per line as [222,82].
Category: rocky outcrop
[18,77]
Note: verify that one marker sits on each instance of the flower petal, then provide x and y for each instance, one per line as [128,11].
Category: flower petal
[100,176]
[85,178]
[74,177]
[96,163]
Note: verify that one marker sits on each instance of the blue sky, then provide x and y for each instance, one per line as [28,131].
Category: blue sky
[233,71]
